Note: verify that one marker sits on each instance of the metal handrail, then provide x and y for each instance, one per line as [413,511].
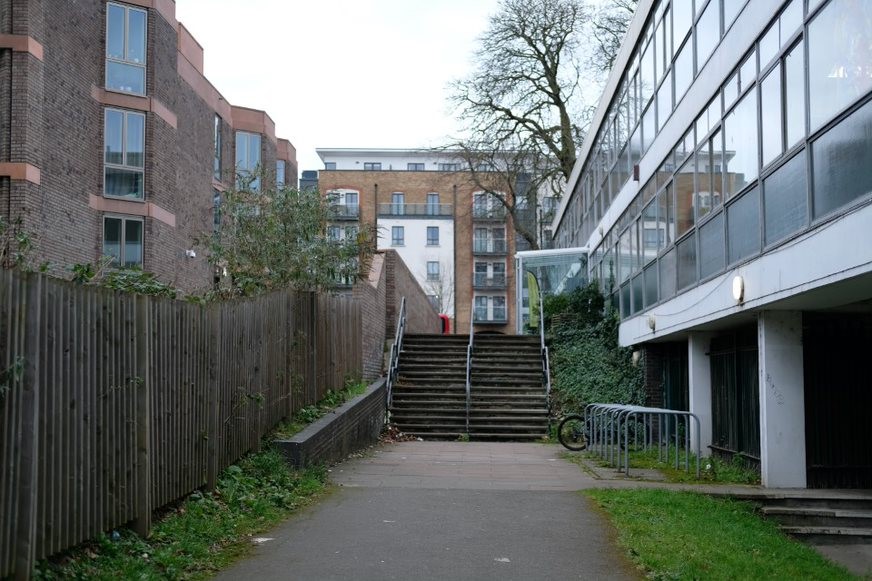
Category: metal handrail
[469,348]
[546,363]
[396,348]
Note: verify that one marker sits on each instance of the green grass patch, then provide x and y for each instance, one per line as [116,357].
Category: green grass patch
[309,414]
[711,469]
[202,534]
[684,535]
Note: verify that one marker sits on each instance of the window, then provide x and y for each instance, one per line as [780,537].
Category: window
[122,240]
[499,308]
[434,301]
[398,236]
[216,210]
[499,270]
[329,165]
[280,173]
[740,143]
[785,199]
[838,67]
[432,271]
[351,203]
[216,161]
[247,160]
[743,226]
[125,48]
[432,204]
[333,233]
[481,309]
[711,246]
[398,204]
[372,166]
[415,166]
[842,172]
[432,235]
[449,166]
[124,154]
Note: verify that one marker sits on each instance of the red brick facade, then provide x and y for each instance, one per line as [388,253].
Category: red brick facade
[54,79]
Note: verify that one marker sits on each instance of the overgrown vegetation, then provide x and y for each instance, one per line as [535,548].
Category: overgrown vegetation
[276,237]
[587,363]
[682,535]
[712,469]
[131,279]
[202,534]
[309,414]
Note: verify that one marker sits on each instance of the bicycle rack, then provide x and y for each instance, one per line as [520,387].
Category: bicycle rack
[606,423]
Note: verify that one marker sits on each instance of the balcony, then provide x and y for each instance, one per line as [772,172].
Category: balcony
[489,246]
[416,210]
[498,317]
[485,214]
[344,212]
[482,281]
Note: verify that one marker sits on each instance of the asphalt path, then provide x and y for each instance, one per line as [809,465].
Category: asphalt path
[446,510]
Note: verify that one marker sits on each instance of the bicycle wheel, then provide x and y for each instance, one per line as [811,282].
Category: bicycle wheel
[571,433]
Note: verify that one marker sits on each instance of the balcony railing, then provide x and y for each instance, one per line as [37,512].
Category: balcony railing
[485,213]
[489,246]
[416,210]
[498,317]
[483,281]
[344,212]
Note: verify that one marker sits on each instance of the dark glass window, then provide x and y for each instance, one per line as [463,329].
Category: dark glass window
[668,276]
[432,235]
[842,166]
[686,250]
[711,246]
[785,200]
[740,143]
[638,294]
[770,105]
[743,226]
[398,236]
[794,94]
[122,240]
[839,56]
[684,198]
[651,286]
[625,301]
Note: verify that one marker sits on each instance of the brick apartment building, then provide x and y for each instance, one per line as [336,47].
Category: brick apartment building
[112,141]
[457,242]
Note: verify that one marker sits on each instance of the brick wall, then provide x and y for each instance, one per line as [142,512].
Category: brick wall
[371,295]
[421,317]
[52,117]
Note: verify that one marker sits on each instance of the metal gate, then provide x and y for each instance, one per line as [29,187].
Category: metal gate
[735,393]
[838,399]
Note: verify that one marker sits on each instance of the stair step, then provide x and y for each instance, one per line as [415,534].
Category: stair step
[830,535]
[478,436]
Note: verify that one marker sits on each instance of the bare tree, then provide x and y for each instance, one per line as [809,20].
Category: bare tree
[524,105]
[441,287]
[608,27]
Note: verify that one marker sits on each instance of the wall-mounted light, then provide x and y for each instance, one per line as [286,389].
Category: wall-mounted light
[190,254]
[739,289]
[652,323]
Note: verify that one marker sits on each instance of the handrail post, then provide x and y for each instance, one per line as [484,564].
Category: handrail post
[469,349]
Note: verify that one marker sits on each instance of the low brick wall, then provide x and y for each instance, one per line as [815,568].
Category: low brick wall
[352,426]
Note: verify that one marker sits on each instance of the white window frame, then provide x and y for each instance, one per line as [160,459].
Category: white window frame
[433,273]
[432,242]
[395,241]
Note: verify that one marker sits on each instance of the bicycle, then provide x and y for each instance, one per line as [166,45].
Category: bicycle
[573,431]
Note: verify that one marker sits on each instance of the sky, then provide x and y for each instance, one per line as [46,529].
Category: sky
[341,73]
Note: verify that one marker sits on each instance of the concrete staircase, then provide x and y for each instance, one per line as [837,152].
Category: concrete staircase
[507,395]
[822,517]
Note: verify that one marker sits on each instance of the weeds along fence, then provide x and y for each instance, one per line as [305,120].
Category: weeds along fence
[113,405]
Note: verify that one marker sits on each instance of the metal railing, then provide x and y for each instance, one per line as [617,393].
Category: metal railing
[396,348]
[344,211]
[606,423]
[469,348]
[484,213]
[435,210]
[546,362]
[498,316]
[489,245]
[483,281]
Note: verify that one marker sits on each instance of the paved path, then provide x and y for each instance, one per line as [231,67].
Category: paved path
[446,510]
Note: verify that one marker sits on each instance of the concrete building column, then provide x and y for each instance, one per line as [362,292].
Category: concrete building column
[782,400]
[699,380]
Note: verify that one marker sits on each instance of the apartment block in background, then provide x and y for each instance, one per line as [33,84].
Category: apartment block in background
[455,239]
[112,142]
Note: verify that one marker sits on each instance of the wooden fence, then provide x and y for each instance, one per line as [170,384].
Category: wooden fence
[113,404]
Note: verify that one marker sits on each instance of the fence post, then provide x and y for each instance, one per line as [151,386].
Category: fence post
[142,522]
[28,489]
[289,353]
[213,315]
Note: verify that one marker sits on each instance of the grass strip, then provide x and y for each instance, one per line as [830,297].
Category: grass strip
[309,414]
[202,534]
[685,535]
